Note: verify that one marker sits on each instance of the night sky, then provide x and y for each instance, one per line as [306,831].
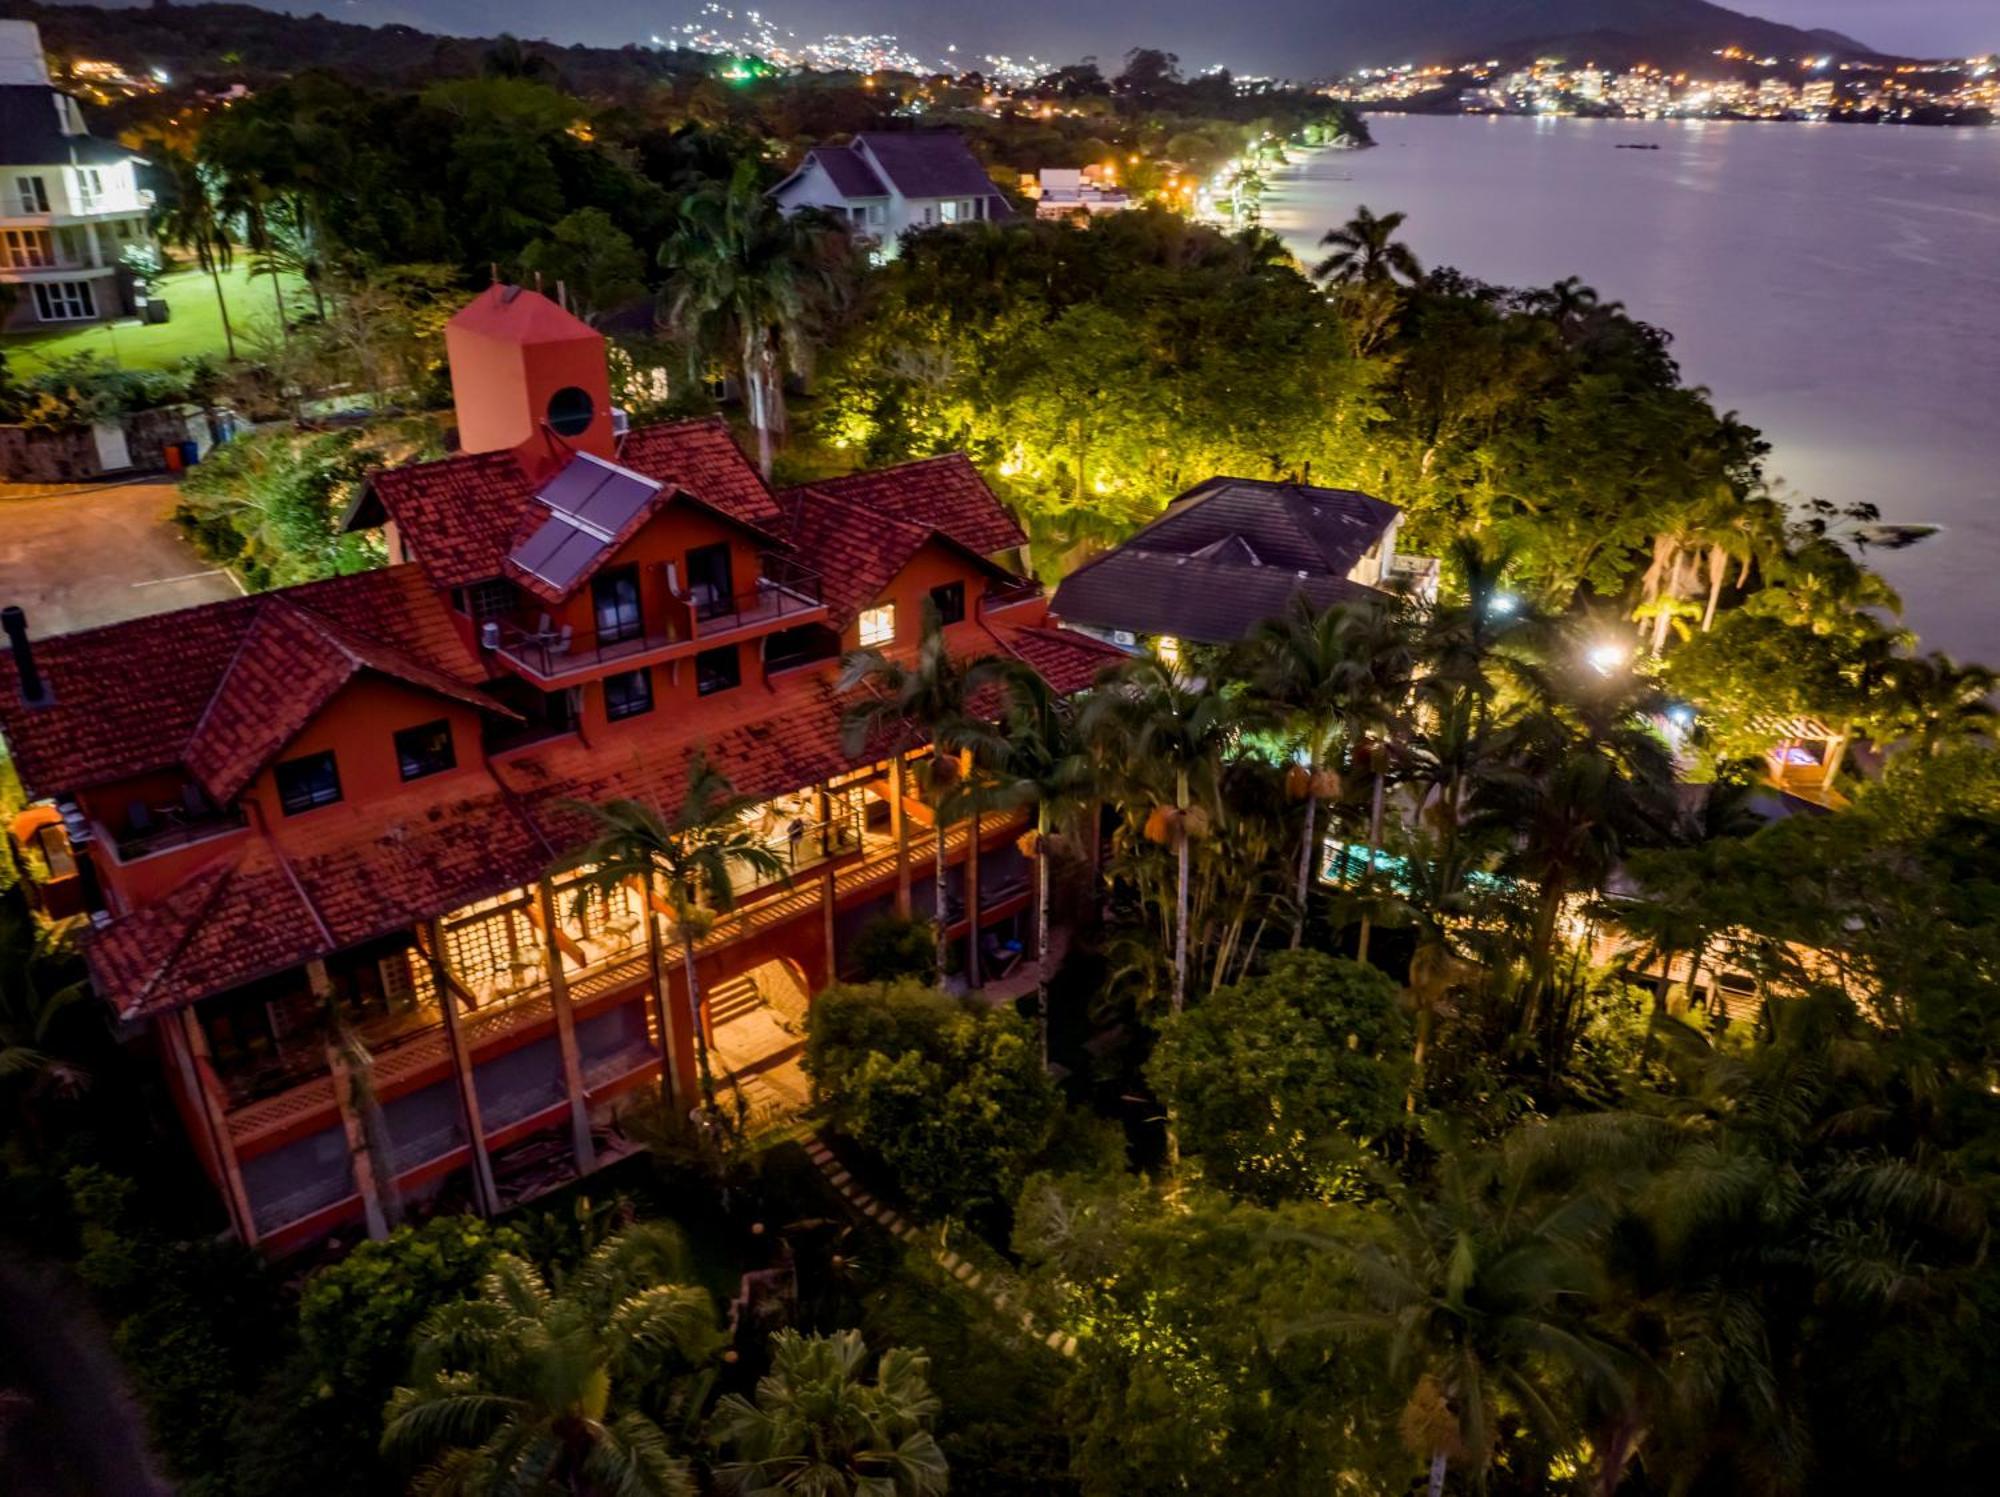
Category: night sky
[1249,34]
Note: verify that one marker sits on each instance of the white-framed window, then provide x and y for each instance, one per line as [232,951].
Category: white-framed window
[89,187]
[31,194]
[65,301]
[878,625]
[959,210]
[878,213]
[27,249]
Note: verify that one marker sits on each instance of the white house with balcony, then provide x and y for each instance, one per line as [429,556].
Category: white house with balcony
[886,183]
[70,203]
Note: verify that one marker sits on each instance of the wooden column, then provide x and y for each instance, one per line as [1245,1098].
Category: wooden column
[827,886]
[572,1058]
[899,789]
[972,902]
[360,1157]
[184,1037]
[485,1192]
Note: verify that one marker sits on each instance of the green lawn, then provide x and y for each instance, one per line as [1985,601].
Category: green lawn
[196,327]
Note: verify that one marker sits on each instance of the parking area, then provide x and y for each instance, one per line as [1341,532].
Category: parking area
[77,557]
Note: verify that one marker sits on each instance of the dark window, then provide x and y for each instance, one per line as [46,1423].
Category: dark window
[308,782]
[949,600]
[425,749]
[571,411]
[717,670]
[489,600]
[616,596]
[709,582]
[628,694]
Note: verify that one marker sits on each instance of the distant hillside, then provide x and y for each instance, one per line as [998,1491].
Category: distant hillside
[242,43]
[1362,33]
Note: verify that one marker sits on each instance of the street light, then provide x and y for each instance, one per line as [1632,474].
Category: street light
[1608,656]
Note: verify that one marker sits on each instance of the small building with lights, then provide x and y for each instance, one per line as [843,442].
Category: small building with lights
[70,203]
[1233,552]
[887,183]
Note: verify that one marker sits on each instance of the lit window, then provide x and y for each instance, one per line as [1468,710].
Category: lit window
[425,750]
[308,782]
[878,625]
[628,694]
[717,670]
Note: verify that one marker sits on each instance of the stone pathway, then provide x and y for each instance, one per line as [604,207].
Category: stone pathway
[996,1292]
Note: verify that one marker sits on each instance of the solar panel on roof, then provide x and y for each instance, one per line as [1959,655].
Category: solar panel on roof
[616,501]
[557,552]
[596,495]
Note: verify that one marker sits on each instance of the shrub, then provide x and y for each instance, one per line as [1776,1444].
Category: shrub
[893,946]
[1277,1081]
[954,1101]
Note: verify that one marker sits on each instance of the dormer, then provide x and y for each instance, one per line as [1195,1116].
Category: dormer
[530,379]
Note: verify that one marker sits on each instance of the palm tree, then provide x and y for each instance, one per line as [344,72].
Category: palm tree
[1164,733]
[1583,778]
[195,221]
[527,1389]
[694,855]
[749,285]
[1480,1294]
[932,695]
[1366,252]
[816,1428]
[1341,672]
[1929,700]
[29,1006]
[1042,763]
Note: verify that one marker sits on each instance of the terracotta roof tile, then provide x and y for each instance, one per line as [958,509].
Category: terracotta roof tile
[235,921]
[457,515]
[290,664]
[129,696]
[941,493]
[857,550]
[703,458]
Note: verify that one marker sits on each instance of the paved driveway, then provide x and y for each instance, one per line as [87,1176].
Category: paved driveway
[75,557]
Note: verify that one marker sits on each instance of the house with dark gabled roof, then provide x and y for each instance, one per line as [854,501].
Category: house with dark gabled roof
[1233,552]
[886,183]
[70,203]
[312,830]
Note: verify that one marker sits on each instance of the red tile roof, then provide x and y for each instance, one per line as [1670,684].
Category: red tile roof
[460,516]
[239,919]
[856,550]
[290,664]
[1068,661]
[350,874]
[941,493]
[701,457]
[130,696]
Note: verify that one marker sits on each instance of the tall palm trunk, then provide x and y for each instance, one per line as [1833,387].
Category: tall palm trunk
[360,1066]
[1181,892]
[222,305]
[701,1060]
[656,964]
[939,913]
[756,395]
[1368,878]
[1042,927]
[1306,851]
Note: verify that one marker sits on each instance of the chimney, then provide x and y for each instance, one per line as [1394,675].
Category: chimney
[34,690]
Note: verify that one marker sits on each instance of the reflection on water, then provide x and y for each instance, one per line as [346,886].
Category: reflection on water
[1837,284]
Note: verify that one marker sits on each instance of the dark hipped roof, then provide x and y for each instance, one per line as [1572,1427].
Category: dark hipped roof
[927,163]
[851,173]
[31,132]
[1226,556]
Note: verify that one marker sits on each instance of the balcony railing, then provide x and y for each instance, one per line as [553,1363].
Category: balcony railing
[1007,594]
[164,828]
[411,1042]
[785,589]
[552,653]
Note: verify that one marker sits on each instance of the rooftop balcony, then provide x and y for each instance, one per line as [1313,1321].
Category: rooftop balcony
[786,595]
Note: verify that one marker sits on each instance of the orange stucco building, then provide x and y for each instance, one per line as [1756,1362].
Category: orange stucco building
[313,829]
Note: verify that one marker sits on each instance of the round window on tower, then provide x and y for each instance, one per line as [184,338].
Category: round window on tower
[570,411]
